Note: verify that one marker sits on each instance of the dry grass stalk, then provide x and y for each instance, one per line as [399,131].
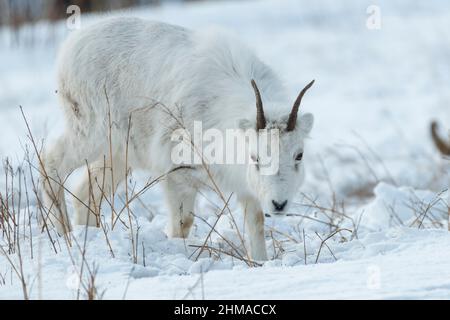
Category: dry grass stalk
[324,242]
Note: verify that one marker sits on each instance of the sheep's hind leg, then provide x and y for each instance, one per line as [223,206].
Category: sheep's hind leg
[57,164]
[96,188]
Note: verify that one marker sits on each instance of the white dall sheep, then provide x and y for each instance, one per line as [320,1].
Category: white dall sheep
[123,66]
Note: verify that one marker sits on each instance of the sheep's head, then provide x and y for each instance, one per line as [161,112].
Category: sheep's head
[276,169]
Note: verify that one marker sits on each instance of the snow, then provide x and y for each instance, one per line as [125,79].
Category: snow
[416,269]
[376,92]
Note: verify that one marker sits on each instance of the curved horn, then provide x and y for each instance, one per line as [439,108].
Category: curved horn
[260,118]
[443,146]
[293,116]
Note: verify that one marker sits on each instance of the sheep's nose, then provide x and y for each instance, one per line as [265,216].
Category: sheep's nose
[279,206]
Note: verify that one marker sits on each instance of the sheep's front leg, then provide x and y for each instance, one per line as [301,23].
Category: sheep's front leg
[254,224]
[180,198]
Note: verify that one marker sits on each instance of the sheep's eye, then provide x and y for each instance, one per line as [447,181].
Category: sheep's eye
[255,159]
[299,157]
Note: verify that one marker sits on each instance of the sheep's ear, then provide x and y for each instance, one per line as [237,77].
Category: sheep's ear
[306,123]
[245,124]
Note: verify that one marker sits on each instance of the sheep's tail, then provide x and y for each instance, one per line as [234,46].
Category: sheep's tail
[441,144]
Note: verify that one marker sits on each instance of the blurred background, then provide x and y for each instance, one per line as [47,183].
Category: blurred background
[17,13]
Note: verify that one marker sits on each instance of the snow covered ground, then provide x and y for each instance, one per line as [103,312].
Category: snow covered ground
[371,219]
